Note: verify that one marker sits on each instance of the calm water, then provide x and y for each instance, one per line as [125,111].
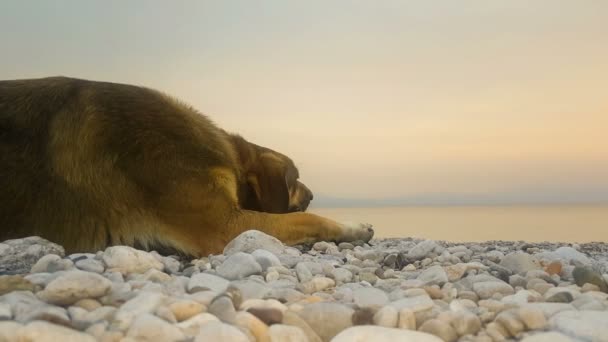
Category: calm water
[582,223]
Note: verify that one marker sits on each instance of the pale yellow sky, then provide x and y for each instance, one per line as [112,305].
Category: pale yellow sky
[372,99]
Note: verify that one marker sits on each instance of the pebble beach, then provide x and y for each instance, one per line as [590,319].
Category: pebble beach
[261,290]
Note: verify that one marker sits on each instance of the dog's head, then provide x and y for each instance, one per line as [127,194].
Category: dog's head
[270,180]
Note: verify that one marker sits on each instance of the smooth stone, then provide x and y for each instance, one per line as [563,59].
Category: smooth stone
[466,323]
[126,260]
[369,297]
[327,319]
[342,275]
[223,308]
[148,327]
[345,245]
[547,337]
[192,325]
[303,273]
[17,256]
[42,265]
[142,303]
[550,309]
[560,297]
[90,265]
[247,321]
[171,265]
[321,246]
[486,289]
[533,318]
[584,325]
[40,331]
[368,277]
[387,317]
[434,275]
[206,281]
[566,254]
[316,284]
[184,309]
[74,285]
[49,313]
[585,275]
[251,240]
[440,329]
[511,322]
[365,333]
[407,319]
[9,331]
[265,258]
[5,312]
[291,318]
[417,303]
[423,249]
[286,333]
[267,315]
[220,332]
[520,262]
[10,283]
[239,265]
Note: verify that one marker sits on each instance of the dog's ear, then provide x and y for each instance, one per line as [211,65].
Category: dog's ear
[268,182]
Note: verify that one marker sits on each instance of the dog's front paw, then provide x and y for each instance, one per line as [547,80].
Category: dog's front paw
[356,231]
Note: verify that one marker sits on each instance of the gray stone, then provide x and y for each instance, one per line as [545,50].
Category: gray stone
[90,265]
[239,265]
[251,240]
[434,275]
[223,308]
[144,302]
[265,258]
[585,275]
[369,297]
[74,285]
[520,262]
[487,289]
[423,249]
[567,255]
[560,297]
[303,273]
[206,282]
[547,337]
[342,275]
[583,325]
[416,303]
[19,255]
[250,289]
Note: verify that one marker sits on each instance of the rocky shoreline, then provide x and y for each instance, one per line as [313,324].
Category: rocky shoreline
[260,290]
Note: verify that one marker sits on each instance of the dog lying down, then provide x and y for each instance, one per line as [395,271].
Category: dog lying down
[93,164]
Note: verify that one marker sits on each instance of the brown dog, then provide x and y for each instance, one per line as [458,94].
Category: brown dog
[92,164]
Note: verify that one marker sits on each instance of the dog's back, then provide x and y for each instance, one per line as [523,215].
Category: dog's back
[93,158]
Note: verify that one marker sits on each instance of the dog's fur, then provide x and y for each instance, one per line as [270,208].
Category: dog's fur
[93,164]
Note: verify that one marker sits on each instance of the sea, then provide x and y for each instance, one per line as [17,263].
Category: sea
[537,223]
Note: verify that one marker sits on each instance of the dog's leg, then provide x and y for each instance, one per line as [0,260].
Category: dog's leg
[294,228]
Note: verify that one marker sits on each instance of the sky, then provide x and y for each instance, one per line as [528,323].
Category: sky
[432,101]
